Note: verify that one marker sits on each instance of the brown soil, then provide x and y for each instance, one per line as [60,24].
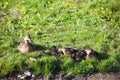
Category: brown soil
[96,76]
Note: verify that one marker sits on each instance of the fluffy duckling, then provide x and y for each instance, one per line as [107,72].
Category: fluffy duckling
[65,50]
[74,51]
[79,55]
[54,51]
[25,47]
[91,54]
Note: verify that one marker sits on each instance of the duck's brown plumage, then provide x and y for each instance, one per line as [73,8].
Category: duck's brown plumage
[25,47]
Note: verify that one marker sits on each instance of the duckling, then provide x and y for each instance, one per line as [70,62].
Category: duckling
[79,55]
[25,47]
[82,53]
[65,50]
[54,51]
[74,51]
[91,54]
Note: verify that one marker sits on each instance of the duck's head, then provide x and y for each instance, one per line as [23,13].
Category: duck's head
[27,38]
[26,42]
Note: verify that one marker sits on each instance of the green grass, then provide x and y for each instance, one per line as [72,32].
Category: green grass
[45,66]
[71,68]
[70,23]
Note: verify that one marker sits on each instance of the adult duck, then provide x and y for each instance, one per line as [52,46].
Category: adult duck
[26,46]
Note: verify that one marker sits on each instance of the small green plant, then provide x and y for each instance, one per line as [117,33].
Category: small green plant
[45,65]
[11,63]
[49,65]
[108,65]
[66,63]
[6,68]
[35,66]
[84,67]
[87,66]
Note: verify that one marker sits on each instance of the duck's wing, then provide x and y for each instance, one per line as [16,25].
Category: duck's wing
[20,46]
[23,48]
[31,47]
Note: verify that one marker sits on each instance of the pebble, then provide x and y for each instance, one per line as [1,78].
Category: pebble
[27,73]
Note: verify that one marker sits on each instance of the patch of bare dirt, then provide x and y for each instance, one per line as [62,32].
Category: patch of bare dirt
[104,76]
[96,76]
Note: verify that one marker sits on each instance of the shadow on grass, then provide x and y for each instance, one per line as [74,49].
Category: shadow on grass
[40,47]
[103,56]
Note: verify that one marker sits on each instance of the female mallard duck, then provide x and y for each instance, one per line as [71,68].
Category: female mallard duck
[91,54]
[26,46]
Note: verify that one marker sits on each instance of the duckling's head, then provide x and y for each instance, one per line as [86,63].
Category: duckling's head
[91,54]
[62,50]
[88,51]
[27,37]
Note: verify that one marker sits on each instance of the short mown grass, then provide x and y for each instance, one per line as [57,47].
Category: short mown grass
[70,23]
